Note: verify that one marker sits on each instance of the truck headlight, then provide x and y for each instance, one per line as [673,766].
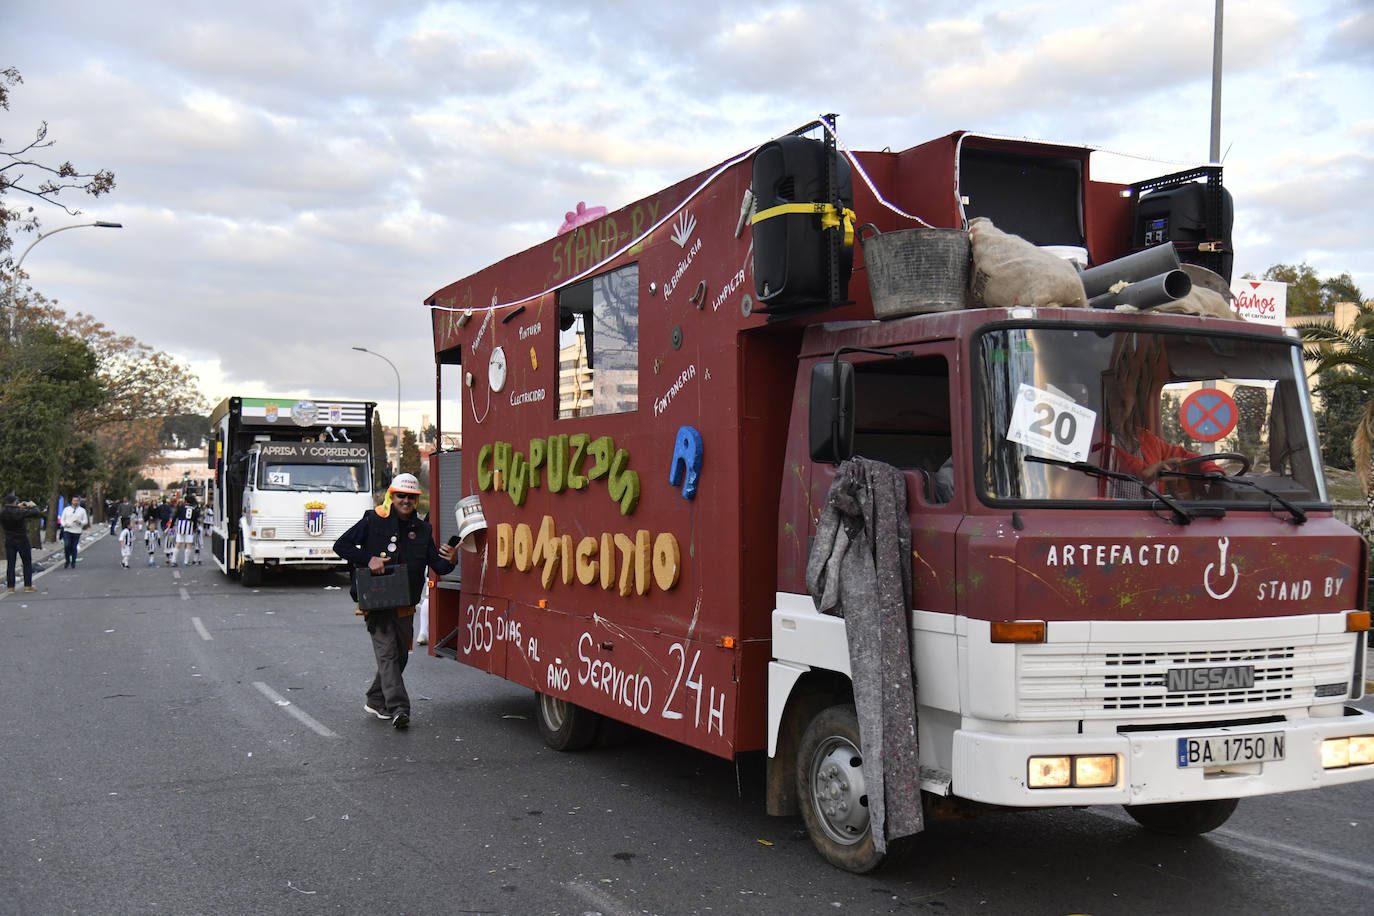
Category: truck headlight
[1080,771]
[1346,752]
[1098,770]
[269,532]
[1049,772]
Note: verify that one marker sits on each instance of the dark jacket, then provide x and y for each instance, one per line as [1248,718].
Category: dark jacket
[12,519]
[412,542]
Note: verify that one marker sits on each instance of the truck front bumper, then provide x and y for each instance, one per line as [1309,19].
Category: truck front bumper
[993,768]
[293,553]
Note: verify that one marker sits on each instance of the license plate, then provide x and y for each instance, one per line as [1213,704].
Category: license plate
[1224,750]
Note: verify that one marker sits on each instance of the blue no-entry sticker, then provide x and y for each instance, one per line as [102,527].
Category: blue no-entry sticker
[1208,415]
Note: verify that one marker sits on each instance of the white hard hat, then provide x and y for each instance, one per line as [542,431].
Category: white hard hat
[404,483]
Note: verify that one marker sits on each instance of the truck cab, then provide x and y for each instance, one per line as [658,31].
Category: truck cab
[289,479]
[1083,632]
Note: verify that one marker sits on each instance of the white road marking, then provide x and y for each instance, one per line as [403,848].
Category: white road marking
[185,595]
[200,628]
[598,898]
[300,716]
[1336,868]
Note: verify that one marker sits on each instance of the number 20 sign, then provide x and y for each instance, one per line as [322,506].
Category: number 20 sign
[1050,424]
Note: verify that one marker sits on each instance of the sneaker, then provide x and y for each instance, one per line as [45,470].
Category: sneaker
[400,720]
[10,590]
[381,714]
[150,562]
[30,588]
[422,641]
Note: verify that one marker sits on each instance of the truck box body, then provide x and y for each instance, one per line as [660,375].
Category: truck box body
[636,425]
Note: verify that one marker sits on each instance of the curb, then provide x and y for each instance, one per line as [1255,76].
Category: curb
[45,557]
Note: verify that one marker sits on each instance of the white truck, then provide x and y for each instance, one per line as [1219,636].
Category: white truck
[290,476]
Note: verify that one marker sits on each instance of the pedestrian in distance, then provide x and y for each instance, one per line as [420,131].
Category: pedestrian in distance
[422,612]
[74,521]
[207,527]
[196,538]
[126,542]
[167,520]
[150,531]
[14,517]
[394,534]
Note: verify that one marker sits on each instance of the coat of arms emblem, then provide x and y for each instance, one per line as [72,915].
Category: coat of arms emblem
[314,518]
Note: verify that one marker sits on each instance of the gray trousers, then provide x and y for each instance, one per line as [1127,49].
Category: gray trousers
[391,636]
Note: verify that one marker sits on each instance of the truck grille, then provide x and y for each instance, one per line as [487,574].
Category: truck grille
[1079,682]
[293,528]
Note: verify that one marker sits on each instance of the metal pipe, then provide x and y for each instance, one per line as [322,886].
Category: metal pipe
[1216,86]
[1132,268]
[1143,294]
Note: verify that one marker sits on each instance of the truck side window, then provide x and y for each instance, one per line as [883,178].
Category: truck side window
[902,415]
[598,345]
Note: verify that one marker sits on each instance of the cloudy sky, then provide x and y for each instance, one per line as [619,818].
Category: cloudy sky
[294,178]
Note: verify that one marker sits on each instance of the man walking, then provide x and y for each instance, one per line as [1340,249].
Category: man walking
[394,533]
[74,521]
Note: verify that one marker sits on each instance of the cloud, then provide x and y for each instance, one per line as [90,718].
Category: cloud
[296,178]
[1352,41]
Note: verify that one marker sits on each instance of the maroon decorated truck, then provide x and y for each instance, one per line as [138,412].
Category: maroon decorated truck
[654,405]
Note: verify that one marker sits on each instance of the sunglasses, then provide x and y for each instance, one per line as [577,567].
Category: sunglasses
[410,496]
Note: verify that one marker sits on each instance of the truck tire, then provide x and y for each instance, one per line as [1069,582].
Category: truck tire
[1183,818]
[830,789]
[565,726]
[251,574]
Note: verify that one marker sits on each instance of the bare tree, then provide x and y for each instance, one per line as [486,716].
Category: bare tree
[25,176]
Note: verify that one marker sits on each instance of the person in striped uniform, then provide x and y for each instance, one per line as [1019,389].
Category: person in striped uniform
[150,531]
[187,521]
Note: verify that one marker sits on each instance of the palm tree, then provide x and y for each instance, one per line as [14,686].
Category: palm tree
[1350,351]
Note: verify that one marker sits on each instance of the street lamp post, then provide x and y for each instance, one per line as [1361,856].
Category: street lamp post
[14,276]
[398,401]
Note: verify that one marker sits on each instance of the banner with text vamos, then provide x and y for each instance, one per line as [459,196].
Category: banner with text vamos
[1261,300]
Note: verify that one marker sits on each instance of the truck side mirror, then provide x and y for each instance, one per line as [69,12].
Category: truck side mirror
[832,412]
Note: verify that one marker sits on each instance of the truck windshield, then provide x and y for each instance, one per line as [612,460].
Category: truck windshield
[1200,418]
[286,475]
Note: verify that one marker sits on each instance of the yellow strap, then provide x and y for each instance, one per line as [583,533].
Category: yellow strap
[831,217]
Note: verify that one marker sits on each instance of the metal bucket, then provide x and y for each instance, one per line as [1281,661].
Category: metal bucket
[468,514]
[913,271]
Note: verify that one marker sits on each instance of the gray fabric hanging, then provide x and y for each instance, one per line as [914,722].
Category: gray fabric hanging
[860,569]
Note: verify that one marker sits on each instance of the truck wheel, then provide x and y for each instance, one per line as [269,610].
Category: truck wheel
[830,787]
[565,726]
[251,575]
[1184,818]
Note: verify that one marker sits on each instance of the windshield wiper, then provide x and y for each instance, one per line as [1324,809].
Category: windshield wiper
[1181,515]
[1299,516]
